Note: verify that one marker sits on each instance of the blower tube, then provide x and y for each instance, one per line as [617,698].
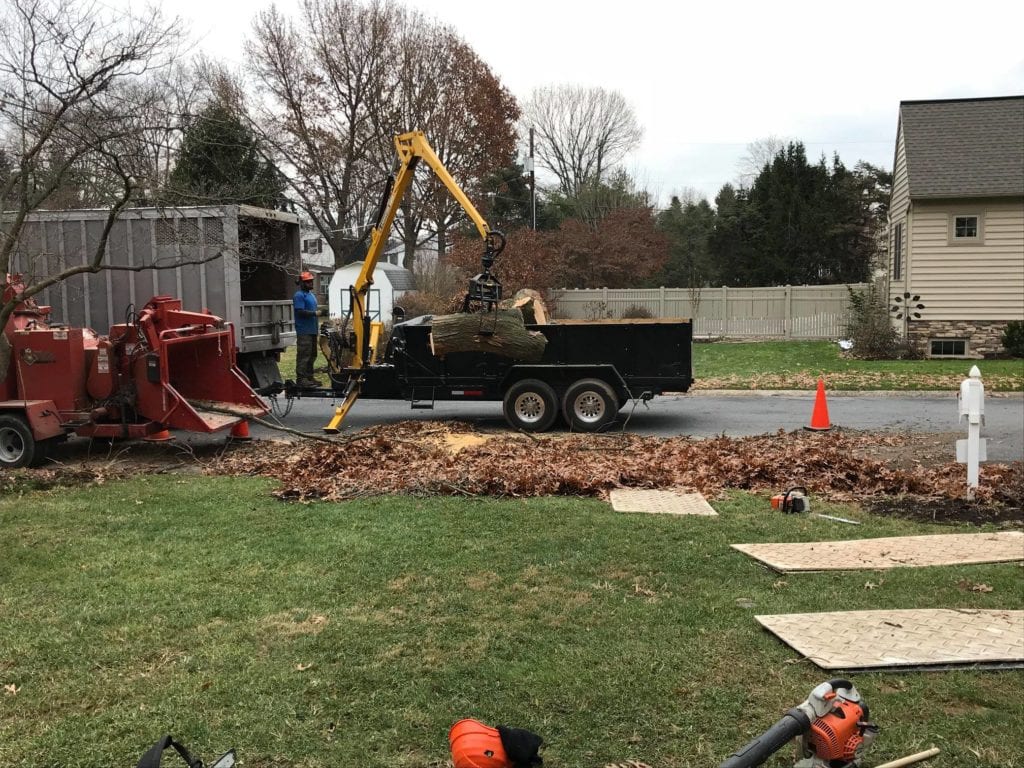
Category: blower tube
[793,723]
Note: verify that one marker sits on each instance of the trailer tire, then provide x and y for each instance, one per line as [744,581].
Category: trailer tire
[589,405]
[18,447]
[531,405]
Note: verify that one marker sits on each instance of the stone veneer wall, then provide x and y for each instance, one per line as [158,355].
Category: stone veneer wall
[983,336]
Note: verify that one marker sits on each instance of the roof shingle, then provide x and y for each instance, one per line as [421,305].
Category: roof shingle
[964,147]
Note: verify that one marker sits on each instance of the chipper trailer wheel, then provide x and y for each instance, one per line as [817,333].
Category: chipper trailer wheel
[531,405]
[18,447]
[589,405]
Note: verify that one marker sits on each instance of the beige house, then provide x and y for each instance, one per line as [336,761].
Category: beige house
[956,221]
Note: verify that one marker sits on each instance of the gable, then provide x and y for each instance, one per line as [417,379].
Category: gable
[964,147]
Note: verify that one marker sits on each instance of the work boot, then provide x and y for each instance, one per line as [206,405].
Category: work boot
[310,384]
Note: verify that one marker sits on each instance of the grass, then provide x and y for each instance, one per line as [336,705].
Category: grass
[357,633]
[781,364]
[797,364]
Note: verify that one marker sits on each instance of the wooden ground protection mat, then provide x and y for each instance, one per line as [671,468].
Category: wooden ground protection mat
[931,639]
[660,502]
[891,552]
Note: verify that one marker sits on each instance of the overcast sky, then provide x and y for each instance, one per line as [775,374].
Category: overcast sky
[705,80]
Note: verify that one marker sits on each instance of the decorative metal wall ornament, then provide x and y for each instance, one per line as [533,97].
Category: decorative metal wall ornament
[905,306]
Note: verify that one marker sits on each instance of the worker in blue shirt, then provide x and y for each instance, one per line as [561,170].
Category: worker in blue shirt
[305,332]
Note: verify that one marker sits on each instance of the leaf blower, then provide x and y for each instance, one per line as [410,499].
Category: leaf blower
[831,727]
[793,501]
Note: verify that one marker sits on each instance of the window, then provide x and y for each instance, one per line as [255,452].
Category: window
[897,252]
[312,246]
[965,229]
[947,347]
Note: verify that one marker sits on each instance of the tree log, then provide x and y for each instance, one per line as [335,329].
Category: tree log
[531,304]
[501,332]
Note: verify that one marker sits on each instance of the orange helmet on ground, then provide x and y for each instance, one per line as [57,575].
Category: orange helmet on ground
[475,745]
[306,276]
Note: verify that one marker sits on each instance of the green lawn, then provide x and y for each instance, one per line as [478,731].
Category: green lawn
[356,634]
[797,364]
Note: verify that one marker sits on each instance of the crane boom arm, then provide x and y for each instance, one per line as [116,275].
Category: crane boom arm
[411,148]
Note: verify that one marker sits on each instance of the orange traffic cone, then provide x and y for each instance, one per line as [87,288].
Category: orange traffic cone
[159,437]
[819,419]
[240,431]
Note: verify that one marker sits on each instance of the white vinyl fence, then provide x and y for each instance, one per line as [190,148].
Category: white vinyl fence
[785,312]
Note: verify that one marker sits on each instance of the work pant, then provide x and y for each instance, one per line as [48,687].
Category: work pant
[305,354]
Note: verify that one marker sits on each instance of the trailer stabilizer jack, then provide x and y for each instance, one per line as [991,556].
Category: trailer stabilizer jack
[351,395]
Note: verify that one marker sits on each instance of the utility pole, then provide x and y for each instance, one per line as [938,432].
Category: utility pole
[533,185]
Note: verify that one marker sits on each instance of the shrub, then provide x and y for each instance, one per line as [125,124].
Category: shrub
[416,303]
[636,311]
[1013,338]
[871,330]
[597,310]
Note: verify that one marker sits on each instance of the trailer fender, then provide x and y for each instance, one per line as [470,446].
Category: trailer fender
[561,377]
[41,416]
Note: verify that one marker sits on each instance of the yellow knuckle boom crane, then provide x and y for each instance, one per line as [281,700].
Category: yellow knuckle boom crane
[367,335]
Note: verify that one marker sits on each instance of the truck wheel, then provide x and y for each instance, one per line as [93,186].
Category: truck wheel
[589,405]
[531,405]
[17,445]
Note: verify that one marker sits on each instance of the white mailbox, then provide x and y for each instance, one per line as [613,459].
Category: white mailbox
[972,398]
[972,405]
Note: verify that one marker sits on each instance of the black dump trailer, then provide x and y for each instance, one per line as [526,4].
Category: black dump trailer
[589,371]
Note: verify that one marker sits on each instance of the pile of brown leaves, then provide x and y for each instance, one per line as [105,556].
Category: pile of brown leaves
[416,457]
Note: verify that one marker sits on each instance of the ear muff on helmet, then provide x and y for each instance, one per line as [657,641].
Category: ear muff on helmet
[475,745]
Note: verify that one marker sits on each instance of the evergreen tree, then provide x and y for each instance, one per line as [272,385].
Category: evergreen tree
[509,204]
[688,228]
[220,162]
[798,223]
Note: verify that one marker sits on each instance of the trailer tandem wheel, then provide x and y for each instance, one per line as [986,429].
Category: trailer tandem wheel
[589,405]
[531,405]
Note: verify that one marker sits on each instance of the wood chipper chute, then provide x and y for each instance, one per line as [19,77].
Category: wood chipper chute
[163,368]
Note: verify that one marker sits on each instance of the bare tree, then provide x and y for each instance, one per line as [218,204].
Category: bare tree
[450,93]
[341,81]
[326,85]
[580,132]
[71,113]
[760,153]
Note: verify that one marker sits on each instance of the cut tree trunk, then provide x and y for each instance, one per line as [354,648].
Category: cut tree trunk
[501,332]
[530,303]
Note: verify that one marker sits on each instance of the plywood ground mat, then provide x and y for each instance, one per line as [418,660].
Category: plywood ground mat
[890,552]
[904,639]
[660,502]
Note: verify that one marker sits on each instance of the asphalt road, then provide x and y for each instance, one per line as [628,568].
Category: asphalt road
[705,414]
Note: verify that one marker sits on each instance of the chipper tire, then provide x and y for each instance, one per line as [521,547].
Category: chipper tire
[531,405]
[18,447]
[589,405]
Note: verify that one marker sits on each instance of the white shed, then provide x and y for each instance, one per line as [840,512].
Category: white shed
[390,283]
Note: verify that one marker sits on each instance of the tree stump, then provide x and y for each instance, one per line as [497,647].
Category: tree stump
[501,332]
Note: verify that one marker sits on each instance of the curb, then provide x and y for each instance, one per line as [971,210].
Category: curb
[809,394]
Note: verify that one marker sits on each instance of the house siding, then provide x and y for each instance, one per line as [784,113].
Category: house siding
[899,204]
[983,281]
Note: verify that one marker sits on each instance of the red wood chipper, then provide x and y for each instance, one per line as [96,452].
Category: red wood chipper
[163,368]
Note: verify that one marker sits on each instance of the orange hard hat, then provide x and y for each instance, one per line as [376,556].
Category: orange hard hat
[306,276]
[475,745]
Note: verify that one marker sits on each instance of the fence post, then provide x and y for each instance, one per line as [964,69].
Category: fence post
[661,312]
[789,311]
[725,310]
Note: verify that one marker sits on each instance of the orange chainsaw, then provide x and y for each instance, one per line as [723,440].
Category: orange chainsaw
[831,728]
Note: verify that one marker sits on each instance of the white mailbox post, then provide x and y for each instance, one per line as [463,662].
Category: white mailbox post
[972,405]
